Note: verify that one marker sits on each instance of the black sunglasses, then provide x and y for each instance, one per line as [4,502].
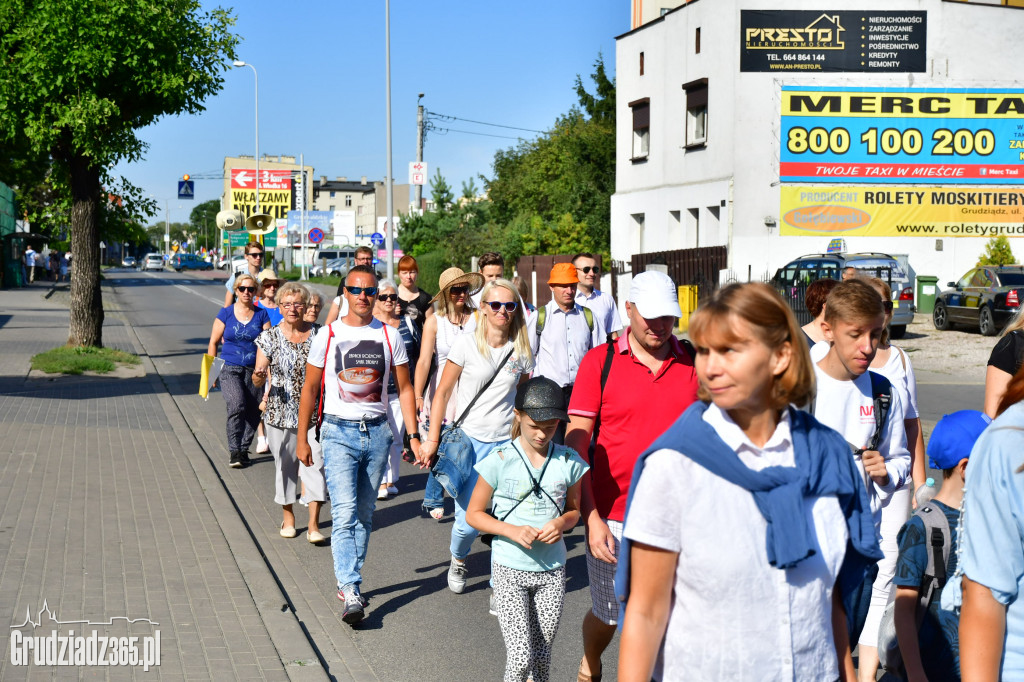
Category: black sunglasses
[255,254]
[498,305]
[248,290]
[387,297]
[355,291]
[586,270]
[459,290]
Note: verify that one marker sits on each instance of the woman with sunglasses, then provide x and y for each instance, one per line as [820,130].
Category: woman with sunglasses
[281,357]
[238,325]
[454,317]
[499,353]
[386,310]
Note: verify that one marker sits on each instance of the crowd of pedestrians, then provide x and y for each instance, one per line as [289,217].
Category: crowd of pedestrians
[748,499]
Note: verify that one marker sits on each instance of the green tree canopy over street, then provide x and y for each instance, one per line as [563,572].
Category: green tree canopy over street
[548,195]
[80,78]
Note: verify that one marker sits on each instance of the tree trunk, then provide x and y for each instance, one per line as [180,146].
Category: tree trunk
[86,298]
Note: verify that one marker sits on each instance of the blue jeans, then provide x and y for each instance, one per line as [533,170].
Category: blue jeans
[463,534]
[433,495]
[355,456]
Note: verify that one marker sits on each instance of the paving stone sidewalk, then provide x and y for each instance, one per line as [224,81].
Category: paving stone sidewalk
[110,511]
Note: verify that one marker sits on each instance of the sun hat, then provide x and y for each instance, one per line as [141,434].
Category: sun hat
[268,275]
[453,277]
[563,273]
[654,294]
[954,436]
[541,399]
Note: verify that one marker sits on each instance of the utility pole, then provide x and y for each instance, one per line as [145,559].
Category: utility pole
[419,149]
[389,232]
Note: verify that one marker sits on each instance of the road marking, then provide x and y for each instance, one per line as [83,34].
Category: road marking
[219,302]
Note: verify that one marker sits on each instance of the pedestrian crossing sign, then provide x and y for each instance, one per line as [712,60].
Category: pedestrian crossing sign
[186,189]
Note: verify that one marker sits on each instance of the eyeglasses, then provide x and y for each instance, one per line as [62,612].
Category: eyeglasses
[459,290]
[255,254]
[293,306]
[246,290]
[887,305]
[364,260]
[510,306]
[355,291]
[387,297]
[587,269]
[317,306]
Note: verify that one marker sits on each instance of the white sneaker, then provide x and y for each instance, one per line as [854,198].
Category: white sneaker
[392,489]
[382,493]
[262,447]
[457,576]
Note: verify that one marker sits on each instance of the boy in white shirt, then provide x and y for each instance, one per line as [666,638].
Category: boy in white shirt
[845,401]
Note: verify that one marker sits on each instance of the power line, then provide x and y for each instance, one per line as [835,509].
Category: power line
[483,123]
[443,131]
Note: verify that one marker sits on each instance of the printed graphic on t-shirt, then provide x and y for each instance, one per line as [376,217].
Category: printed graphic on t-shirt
[360,366]
[867,414]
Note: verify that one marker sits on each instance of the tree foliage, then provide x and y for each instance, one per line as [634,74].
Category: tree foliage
[80,77]
[997,252]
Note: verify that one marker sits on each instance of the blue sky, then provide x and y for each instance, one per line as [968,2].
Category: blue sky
[321,78]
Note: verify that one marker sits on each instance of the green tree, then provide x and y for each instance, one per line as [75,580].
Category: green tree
[80,78]
[203,222]
[997,252]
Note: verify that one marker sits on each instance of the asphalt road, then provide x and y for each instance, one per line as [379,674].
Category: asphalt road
[415,628]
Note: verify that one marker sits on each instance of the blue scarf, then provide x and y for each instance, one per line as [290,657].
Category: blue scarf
[824,467]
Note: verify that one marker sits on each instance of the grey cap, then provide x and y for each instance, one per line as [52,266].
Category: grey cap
[541,399]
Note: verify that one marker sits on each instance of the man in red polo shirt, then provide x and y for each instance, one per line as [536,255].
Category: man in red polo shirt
[650,382]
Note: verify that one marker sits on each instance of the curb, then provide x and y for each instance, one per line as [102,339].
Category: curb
[301,661]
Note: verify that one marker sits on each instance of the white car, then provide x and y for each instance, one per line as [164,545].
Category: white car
[154,261]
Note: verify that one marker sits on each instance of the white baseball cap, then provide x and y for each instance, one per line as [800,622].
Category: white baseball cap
[654,294]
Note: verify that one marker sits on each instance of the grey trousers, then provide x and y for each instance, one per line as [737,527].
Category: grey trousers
[243,402]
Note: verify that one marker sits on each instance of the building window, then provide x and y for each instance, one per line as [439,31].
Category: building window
[696,113]
[348,199]
[641,128]
[663,11]
[696,41]
[332,194]
[331,208]
[641,63]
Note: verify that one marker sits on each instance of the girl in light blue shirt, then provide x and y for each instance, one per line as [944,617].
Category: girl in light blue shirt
[532,487]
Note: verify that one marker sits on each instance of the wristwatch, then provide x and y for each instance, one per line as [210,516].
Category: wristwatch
[409,436]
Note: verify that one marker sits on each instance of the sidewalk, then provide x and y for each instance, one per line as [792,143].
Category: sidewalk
[112,513]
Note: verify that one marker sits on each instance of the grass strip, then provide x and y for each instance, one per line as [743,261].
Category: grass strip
[78,359]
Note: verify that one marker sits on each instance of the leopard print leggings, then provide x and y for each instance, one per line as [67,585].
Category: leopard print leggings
[529,608]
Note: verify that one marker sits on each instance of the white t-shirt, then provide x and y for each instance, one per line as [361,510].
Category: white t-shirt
[901,378]
[358,367]
[491,417]
[848,407]
[733,615]
[342,304]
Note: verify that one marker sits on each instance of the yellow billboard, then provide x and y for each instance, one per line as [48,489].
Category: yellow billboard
[902,211]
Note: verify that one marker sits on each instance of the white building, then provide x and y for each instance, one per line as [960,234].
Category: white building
[700,130]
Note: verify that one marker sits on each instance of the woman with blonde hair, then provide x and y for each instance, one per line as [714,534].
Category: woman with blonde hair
[746,465]
[1004,362]
[281,357]
[482,372]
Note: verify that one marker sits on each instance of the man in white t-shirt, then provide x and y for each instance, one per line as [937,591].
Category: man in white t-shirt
[854,319]
[354,358]
[587,294]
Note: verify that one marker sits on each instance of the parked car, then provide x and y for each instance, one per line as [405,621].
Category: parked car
[128,262]
[986,297]
[792,279]
[189,261]
[337,267]
[154,261]
[239,264]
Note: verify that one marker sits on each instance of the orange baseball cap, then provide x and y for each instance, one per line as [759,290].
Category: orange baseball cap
[563,273]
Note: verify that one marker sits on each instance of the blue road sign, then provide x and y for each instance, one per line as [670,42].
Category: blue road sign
[186,189]
[376,238]
[316,235]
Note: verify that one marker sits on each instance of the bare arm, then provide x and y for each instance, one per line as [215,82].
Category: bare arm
[259,373]
[905,620]
[841,638]
[600,540]
[915,443]
[426,353]
[996,381]
[651,579]
[307,406]
[554,529]
[216,335]
[445,387]
[407,400]
[982,629]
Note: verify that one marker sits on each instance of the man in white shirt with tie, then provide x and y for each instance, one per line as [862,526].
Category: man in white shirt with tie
[562,332]
[588,296]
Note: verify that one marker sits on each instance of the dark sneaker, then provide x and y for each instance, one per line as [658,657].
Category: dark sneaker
[457,576]
[236,460]
[244,458]
[354,606]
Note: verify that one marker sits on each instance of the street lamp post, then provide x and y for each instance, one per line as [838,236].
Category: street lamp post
[389,232]
[256,76]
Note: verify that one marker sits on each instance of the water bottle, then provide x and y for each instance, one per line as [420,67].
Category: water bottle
[925,492]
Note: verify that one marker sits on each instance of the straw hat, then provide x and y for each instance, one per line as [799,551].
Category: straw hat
[268,275]
[453,277]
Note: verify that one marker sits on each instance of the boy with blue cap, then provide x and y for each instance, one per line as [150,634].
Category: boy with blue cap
[928,639]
